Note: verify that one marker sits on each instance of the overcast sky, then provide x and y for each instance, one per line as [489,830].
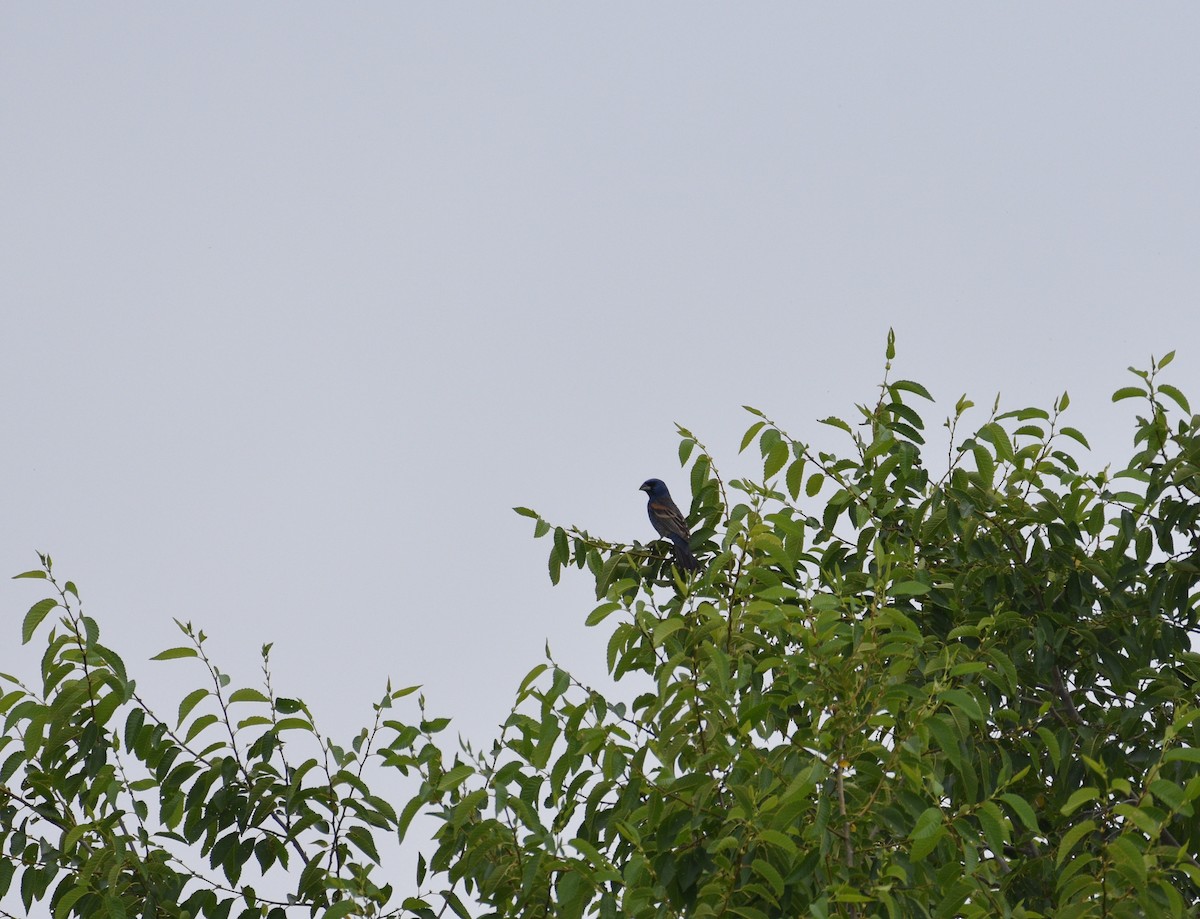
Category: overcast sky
[299,300]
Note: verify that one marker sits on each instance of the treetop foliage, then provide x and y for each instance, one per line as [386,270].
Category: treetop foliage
[902,685]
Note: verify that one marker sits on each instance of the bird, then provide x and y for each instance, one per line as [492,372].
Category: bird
[669,522]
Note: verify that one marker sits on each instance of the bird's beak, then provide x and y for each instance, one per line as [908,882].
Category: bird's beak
[643,488]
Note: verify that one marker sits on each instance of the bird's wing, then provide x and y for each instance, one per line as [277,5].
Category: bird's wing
[668,520]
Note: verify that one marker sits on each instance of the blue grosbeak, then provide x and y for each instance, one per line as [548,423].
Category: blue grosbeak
[669,522]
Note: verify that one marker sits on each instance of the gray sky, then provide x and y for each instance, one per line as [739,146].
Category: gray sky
[298,301]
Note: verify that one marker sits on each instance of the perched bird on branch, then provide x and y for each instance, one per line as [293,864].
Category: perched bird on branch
[669,522]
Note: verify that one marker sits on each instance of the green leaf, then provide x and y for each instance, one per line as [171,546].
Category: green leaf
[62,909]
[765,869]
[455,777]
[963,700]
[775,459]
[601,612]
[361,837]
[984,464]
[995,827]
[909,589]
[406,816]
[532,675]
[284,724]
[1128,392]
[751,433]
[199,725]
[173,653]
[250,695]
[133,726]
[1080,797]
[1179,398]
[34,618]
[1186,754]
[1128,860]
[457,906]
[527,512]
[685,450]
[31,574]
[1023,810]
[1143,820]
[7,701]
[190,701]
[590,852]
[910,386]
[7,868]
[927,833]
[1072,837]
[795,477]
[843,893]
[699,474]
[929,821]
[11,765]
[998,437]
[891,344]
[768,439]
[666,628]
[1075,435]
[778,840]
[815,481]
[1168,793]
[562,545]
[837,423]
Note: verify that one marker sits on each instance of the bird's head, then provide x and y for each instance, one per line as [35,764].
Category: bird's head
[655,488]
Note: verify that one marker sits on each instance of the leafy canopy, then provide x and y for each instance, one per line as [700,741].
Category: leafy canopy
[893,690]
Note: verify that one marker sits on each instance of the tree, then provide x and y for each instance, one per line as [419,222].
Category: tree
[890,692]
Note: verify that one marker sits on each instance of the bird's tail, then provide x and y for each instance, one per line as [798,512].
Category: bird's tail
[684,556]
